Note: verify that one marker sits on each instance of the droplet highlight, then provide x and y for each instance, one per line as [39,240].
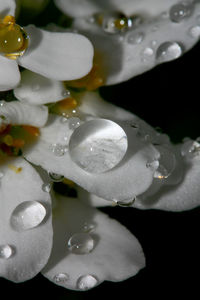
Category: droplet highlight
[27,215]
[6,251]
[135,38]
[98,145]
[81,243]
[179,12]
[61,278]
[168,51]
[86,282]
[46,187]
[167,163]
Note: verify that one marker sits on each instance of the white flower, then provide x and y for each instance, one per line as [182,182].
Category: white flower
[159,31]
[60,56]
[26,228]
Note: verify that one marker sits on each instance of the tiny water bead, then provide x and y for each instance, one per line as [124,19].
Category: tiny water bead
[13,38]
[88,227]
[168,51]
[191,149]
[179,12]
[74,123]
[81,243]
[6,251]
[46,187]
[56,177]
[98,145]
[86,282]
[135,38]
[27,215]
[59,149]
[147,54]
[61,278]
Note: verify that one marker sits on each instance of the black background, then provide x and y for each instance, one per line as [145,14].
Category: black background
[168,97]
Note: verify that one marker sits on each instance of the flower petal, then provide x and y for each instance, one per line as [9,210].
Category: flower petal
[37,89]
[57,55]
[80,8]
[130,178]
[9,74]
[126,55]
[30,249]
[91,199]
[116,256]
[7,7]
[24,114]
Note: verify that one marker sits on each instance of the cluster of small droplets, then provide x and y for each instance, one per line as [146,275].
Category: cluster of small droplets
[59,149]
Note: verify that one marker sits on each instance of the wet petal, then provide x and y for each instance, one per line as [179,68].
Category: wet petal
[57,55]
[91,199]
[116,255]
[139,49]
[7,7]
[37,89]
[130,177]
[9,74]
[24,114]
[27,250]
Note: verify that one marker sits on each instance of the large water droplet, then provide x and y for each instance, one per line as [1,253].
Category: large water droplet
[81,243]
[56,177]
[98,145]
[61,278]
[168,51]
[6,251]
[179,12]
[86,282]
[135,38]
[167,163]
[27,215]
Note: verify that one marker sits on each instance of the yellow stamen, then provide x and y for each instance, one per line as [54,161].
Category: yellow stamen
[9,20]
[8,140]
[15,169]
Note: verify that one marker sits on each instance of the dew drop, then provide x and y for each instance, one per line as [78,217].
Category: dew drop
[190,149]
[56,177]
[81,243]
[59,149]
[114,22]
[88,227]
[74,123]
[6,251]
[147,54]
[46,187]
[27,215]
[126,203]
[66,93]
[152,165]
[168,51]
[194,31]
[167,163]
[98,145]
[86,282]
[135,38]
[61,278]
[179,12]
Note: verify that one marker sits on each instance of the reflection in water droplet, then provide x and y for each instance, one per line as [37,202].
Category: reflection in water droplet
[98,145]
[135,38]
[6,251]
[114,22]
[27,215]
[61,278]
[167,163]
[179,12]
[56,177]
[86,282]
[81,243]
[46,187]
[168,51]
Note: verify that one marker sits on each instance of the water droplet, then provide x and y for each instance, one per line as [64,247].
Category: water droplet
[46,187]
[61,278]
[81,243]
[135,38]
[190,149]
[1,175]
[86,282]
[153,165]
[98,145]
[88,227]
[168,51]
[6,251]
[27,215]
[74,123]
[2,103]
[167,163]
[179,12]
[194,31]
[56,177]
[147,54]
[126,203]
[114,22]
[66,93]
[59,149]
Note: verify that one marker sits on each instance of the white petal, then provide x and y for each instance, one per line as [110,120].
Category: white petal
[9,74]
[131,177]
[122,58]
[37,89]
[91,199]
[116,256]
[31,248]
[179,197]
[24,114]
[80,8]
[57,55]
[7,7]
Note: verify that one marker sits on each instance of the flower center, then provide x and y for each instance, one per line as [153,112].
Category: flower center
[13,38]
[13,138]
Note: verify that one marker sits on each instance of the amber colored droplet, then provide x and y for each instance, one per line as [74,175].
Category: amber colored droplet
[67,103]
[92,81]
[15,169]
[34,131]
[121,23]
[13,38]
